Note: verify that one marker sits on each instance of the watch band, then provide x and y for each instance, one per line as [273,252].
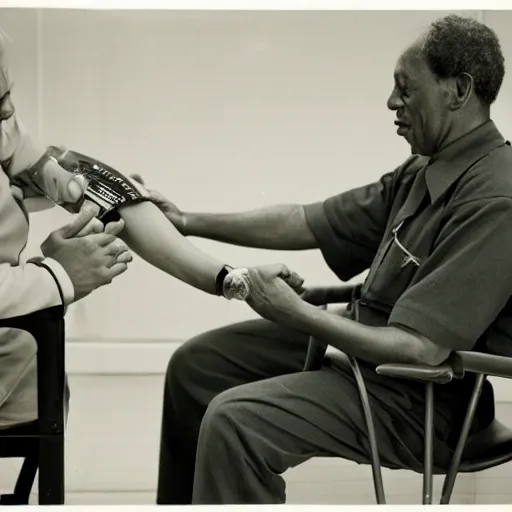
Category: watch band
[219,280]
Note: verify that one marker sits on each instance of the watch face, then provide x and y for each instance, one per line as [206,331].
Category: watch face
[236,285]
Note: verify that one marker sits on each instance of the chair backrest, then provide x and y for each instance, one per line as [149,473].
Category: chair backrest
[48,329]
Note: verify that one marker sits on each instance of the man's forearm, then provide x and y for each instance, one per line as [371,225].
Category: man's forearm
[281,227]
[148,233]
[378,345]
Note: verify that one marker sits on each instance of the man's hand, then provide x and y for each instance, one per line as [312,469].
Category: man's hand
[90,210]
[61,186]
[170,210]
[275,292]
[92,260]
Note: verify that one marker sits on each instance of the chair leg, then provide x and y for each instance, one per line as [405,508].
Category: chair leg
[24,483]
[428,464]
[449,481]
[372,437]
[51,470]
[26,478]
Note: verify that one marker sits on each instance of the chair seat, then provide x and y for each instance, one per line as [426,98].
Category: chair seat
[487,449]
[26,429]
[19,441]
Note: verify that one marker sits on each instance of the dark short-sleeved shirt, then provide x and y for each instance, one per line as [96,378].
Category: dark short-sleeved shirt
[453,214]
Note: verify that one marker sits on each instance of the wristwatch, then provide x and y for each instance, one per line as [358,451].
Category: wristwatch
[233,283]
[221,276]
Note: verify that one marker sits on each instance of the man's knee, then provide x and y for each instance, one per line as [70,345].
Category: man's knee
[182,365]
[228,417]
[218,420]
[202,354]
[193,360]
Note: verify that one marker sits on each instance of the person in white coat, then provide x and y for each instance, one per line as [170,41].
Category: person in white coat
[71,267]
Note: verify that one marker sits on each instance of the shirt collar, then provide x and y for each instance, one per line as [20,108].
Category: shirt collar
[447,166]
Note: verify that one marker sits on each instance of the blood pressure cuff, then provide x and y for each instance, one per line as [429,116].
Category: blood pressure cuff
[104,185]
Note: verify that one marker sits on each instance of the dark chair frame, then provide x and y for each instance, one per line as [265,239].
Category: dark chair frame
[41,443]
[489,448]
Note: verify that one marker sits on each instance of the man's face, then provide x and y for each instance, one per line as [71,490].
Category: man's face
[420,103]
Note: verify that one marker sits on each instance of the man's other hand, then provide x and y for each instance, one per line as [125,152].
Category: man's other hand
[61,186]
[90,260]
[169,209]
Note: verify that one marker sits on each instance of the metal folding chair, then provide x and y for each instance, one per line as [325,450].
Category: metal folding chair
[473,452]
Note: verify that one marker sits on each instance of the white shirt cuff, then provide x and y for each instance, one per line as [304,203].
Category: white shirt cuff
[66,285]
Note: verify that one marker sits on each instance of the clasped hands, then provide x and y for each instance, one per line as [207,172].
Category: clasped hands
[275,292]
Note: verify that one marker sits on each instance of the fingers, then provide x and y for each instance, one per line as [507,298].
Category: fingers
[114,228]
[62,185]
[73,192]
[158,198]
[274,270]
[101,239]
[94,226]
[294,280]
[116,270]
[269,273]
[125,257]
[116,248]
[88,206]
[82,218]
[281,270]
[138,178]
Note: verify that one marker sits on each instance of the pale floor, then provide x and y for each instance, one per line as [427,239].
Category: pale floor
[112,447]
[353,487]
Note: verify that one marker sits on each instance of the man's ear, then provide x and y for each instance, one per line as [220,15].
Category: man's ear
[460,90]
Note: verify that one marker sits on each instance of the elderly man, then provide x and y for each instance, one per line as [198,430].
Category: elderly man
[72,267]
[436,234]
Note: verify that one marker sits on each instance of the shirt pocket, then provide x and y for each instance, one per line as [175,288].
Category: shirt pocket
[394,274]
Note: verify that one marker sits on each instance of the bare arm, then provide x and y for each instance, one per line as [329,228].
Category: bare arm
[150,235]
[273,299]
[376,345]
[280,227]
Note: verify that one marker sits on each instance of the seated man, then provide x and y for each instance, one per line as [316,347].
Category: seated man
[436,234]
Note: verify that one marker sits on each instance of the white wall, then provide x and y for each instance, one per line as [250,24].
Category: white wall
[220,111]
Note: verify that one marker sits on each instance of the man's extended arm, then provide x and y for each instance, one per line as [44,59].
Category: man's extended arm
[347,228]
[280,227]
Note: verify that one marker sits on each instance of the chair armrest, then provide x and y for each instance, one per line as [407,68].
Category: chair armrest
[320,296]
[459,363]
[486,364]
[48,329]
[441,374]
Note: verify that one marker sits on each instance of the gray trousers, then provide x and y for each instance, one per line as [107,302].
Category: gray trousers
[238,412]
